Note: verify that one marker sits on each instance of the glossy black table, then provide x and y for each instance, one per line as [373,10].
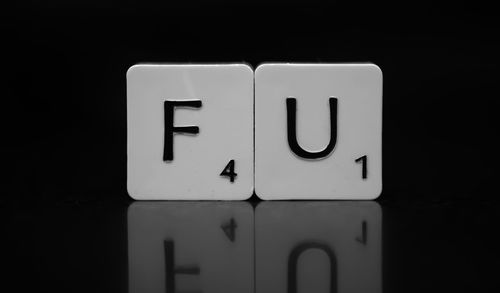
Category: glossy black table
[99,246]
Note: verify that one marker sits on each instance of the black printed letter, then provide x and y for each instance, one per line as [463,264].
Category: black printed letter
[168,149]
[291,107]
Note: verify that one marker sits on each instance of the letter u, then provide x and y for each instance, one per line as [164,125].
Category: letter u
[291,107]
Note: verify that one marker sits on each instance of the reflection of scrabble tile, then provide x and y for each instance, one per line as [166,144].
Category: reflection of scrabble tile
[318,247]
[318,131]
[212,159]
[191,247]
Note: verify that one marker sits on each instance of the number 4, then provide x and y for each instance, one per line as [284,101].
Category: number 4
[229,171]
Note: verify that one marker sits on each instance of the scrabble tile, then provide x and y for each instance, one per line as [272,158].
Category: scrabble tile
[318,247]
[191,247]
[190,132]
[318,131]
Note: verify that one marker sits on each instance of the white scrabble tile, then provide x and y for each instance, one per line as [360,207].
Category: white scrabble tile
[318,131]
[318,247]
[191,247]
[166,161]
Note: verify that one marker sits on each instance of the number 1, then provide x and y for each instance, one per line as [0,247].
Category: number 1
[363,160]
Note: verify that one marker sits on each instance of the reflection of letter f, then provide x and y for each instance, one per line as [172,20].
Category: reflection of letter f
[168,152]
[171,270]
[291,110]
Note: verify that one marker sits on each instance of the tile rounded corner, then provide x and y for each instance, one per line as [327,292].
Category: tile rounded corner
[263,195]
[247,196]
[132,69]
[376,194]
[377,69]
[262,66]
[247,67]
[132,192]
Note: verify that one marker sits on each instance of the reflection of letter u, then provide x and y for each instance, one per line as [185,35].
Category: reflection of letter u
[294,257]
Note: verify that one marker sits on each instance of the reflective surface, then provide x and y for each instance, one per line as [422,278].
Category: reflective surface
[291,247]
[318,247]
[251,247]
[195,247]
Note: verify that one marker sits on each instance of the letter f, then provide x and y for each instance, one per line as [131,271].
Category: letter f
[168,150]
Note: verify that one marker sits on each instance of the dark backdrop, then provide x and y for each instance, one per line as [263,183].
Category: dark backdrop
[64,90]
[63,125]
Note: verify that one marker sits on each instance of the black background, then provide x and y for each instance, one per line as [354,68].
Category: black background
[64,88]
[63,124]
